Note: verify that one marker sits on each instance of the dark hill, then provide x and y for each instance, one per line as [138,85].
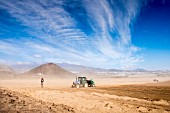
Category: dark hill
[50,69]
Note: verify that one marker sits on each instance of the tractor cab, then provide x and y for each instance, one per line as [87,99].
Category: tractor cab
[83,82]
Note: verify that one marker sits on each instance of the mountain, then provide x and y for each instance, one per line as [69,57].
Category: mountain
[49,69]
[78,68]
[73,68]
[84,69]
[21,68]
[139,70]
[6,70]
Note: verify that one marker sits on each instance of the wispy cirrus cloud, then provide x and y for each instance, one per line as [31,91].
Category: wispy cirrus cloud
[94,33]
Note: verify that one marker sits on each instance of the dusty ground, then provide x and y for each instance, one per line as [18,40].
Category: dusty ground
[12,102]
[115,95]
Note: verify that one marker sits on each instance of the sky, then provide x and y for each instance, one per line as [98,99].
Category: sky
[120,34]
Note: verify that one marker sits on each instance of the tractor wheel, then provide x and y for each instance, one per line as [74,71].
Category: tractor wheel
[72,86]
[93,85]
[77,86]
[85,85]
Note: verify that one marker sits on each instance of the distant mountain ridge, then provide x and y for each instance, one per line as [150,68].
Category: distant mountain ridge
[20,68]
[81,68]
[73,68]
[6,70]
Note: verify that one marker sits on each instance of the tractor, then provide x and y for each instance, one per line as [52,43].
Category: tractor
[83,82]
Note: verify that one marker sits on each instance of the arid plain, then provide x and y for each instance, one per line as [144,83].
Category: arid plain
[130,94]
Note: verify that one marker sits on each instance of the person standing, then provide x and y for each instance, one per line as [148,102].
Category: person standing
[42,82]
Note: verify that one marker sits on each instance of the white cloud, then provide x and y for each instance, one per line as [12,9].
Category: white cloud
[63,41]
[37,56]
[21,63]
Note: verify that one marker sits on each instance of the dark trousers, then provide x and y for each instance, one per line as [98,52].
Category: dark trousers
[41,84]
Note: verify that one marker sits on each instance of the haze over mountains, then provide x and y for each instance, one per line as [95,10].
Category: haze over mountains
[23,67]
[83,69]
[61,70]
[6,70]
[71,68]
[48,70]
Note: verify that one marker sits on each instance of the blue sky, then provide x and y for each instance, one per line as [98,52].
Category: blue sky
[121,34]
